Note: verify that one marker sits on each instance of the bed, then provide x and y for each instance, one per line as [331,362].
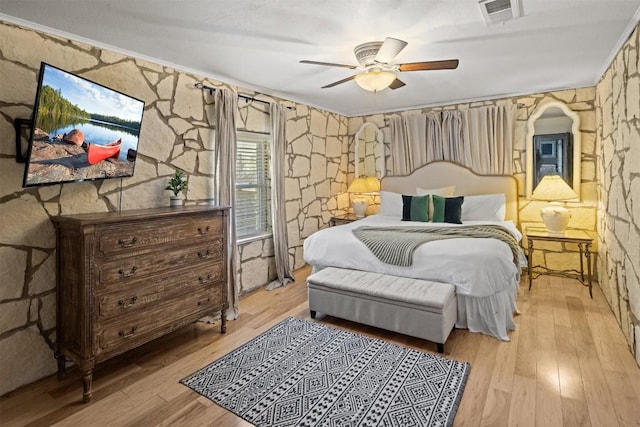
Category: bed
[484,271]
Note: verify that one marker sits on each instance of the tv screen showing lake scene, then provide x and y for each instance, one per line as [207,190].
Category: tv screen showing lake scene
[81,130]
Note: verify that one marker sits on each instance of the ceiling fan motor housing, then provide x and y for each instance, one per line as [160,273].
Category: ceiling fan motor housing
[366,53]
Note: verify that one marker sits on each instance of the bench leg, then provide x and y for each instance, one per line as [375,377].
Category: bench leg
[440,347]
[313,314]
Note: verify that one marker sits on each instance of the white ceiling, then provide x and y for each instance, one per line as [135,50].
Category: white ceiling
[256,44]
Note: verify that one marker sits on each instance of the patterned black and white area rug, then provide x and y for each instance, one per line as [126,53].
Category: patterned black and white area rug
[303,373]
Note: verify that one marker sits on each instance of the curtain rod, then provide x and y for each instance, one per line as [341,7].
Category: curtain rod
[247,98]
[518,105]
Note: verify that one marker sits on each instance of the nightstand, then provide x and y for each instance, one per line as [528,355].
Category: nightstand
[342,219]
[579,237]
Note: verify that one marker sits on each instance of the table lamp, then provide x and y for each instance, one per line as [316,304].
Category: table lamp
[363,186]
[553,188]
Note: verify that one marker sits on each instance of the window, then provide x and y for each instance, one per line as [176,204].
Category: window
[253,185]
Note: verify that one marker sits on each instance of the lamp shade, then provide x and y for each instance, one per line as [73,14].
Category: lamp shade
[373,184]
[359,185]
[367,184]
[553,188]
[375,80]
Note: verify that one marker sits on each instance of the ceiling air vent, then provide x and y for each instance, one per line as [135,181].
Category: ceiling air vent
[494,11]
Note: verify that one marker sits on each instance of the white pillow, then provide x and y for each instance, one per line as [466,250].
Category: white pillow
[485,207]
[442,191]
[390,204]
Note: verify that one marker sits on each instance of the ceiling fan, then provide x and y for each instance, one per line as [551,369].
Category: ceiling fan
[378,72]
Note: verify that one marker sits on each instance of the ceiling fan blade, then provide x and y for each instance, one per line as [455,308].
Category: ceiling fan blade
[329,64]
[389,49]
[447,64]
[338,82]
[396,84]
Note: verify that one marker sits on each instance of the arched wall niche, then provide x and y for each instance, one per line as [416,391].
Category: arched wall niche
[554,145]
[369,147]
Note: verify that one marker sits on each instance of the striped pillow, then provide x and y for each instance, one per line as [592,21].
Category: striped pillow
[415,208]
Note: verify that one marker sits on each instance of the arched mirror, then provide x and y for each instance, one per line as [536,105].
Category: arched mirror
[369,145]
[554,145]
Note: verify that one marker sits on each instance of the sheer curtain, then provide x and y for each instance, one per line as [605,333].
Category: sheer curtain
[226,108]
[454,145]
[400,150]
[479,138]
[434,147]
[416,126]
[408,143]
[278,211]
[491,131]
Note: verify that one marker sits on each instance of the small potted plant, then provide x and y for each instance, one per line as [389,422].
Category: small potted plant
[177,184]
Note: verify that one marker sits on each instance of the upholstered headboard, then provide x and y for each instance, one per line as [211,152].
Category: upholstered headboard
[467,182]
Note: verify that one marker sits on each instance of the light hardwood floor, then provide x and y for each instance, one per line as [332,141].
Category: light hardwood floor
[567,364]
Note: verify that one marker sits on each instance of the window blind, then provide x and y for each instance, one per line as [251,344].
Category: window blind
[253,185]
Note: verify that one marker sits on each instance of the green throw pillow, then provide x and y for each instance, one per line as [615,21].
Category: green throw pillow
[415,208]
[438,208]
[447,209]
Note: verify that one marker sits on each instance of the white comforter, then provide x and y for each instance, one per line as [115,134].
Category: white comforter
[482,270]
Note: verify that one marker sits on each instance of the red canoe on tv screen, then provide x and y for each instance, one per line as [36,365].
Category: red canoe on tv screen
[98,153]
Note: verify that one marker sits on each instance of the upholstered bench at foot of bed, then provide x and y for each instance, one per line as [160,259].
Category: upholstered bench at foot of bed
[414,307]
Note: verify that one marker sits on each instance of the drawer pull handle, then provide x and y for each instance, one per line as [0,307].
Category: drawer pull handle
[125,305]
[129,334]
[204,301]
[205,230]
[204,255]
[128,243]
[205,280]
[124,274]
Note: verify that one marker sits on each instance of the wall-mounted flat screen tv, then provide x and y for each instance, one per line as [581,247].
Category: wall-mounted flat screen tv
[80,130]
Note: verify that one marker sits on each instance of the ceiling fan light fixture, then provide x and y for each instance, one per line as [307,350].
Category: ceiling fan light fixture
[375,80]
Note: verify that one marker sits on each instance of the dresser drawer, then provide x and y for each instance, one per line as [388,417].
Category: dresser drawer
[112,239]
[130,331]
[123,270]
[153,291]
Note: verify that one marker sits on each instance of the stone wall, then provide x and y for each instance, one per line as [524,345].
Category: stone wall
[583,213]
[618,143]
[176,133]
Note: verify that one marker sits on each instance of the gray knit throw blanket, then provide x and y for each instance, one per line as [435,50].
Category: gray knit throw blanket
[395,245]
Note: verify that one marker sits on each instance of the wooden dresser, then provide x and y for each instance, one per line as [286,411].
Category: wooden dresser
[126,278]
